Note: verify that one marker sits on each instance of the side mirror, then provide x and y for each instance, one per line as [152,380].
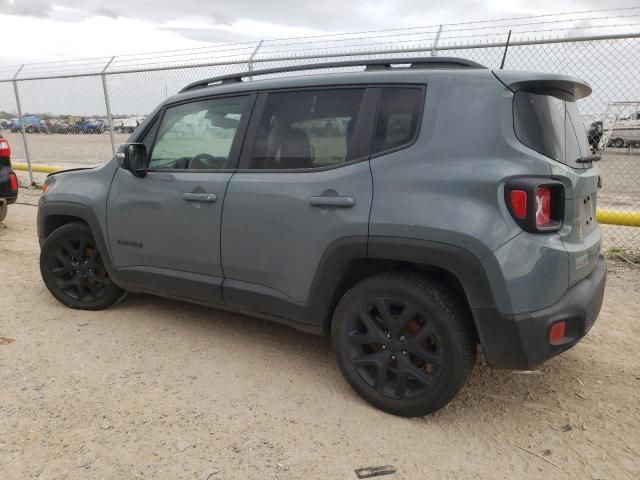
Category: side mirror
[133,157]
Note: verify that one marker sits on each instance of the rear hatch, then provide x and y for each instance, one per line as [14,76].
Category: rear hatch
[546,119]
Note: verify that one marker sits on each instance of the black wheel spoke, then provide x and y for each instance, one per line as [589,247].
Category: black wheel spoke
[99,280]
[425,332]
[428,357]
[382,369]
[374,332]
[382,306]
[68,246]
[61,258]
[367,360]
[68,283]
[401,383]
[65,263]
[62,271]
[415,373]
[81,289]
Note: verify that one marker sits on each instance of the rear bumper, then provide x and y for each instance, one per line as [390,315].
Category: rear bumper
[522,341]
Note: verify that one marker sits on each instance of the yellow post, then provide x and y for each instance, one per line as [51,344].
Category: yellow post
[618,217]
[35,168]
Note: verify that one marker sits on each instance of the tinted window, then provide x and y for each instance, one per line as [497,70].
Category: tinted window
[398,117]
[551,126]
[198,135]
[307,129]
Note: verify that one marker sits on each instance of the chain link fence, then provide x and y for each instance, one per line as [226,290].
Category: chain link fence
[75,113]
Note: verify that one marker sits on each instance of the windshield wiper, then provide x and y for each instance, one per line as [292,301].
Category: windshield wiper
[589,158]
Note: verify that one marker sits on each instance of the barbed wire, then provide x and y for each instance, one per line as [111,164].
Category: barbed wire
[345,42]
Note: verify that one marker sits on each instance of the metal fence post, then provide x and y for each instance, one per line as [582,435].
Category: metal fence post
[435,42]
[250,62]
[27,153]
[108,104]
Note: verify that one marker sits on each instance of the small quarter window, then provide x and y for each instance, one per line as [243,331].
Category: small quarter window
[398,118]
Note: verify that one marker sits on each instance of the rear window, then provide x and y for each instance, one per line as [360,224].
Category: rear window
[550,125]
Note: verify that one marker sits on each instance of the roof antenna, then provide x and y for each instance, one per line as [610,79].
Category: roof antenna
[506,47]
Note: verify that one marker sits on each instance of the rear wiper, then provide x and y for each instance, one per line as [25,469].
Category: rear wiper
[589,158]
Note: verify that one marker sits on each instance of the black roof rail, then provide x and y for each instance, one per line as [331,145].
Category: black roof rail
[433,63]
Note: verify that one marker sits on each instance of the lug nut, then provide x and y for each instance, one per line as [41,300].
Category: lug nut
[404,352]
[402,338]
[393,357]
[384,347]
[388,335]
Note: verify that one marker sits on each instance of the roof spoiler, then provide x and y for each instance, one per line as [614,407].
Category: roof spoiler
[540,82]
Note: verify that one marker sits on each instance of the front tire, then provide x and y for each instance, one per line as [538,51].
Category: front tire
[403,343]
[73,270]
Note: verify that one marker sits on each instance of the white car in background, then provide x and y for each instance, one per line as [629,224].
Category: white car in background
[625,131]
[126,125]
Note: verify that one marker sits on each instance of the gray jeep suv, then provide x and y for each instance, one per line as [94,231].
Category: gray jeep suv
[412,210]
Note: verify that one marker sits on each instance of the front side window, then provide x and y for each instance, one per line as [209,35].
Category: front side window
[398,118]
[198,135]
[307,129]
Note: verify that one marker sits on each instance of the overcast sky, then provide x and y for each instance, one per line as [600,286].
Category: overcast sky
[43,30]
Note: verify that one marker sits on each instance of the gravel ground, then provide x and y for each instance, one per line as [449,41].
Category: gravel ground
[159,389]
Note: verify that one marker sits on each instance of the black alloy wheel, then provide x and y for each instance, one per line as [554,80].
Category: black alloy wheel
[73,269]
[404,342]
[395,348]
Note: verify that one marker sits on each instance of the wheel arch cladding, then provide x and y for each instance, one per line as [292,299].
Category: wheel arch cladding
[54,214]
[456,268]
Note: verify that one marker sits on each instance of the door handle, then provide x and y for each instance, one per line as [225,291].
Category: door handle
[200,197]
[339,202]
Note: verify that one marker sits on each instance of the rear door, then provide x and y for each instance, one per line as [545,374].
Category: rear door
[164,229]
[304,183]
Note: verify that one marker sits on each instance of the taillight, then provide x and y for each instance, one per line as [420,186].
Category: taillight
[5,151]
[543,206]
[518,199]
[13,179]
[536,204]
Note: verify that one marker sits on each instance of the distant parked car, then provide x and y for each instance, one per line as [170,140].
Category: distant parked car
[8,179]
[89,126]
[127,125]
[626,131]
[32,124]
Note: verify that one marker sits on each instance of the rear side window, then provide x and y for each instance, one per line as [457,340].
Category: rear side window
[550,125]
[308,129]
[398,118]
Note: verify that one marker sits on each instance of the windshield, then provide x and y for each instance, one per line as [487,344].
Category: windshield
[550,125]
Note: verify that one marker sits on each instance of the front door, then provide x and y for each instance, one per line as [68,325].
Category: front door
[303,184]
[164,229]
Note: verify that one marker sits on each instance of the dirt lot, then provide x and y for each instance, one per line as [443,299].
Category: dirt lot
[158,389]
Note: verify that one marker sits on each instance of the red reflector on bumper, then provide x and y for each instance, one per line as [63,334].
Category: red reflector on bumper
[556,334]
[14,182]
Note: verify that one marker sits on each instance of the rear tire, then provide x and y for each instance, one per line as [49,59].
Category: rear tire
[73,270]
[618,143]
[403,343]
